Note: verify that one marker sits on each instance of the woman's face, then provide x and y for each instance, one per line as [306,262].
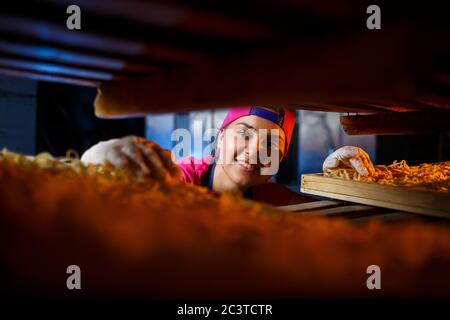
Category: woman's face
[249,150]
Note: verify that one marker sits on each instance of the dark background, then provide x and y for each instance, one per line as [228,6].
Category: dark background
[66,119]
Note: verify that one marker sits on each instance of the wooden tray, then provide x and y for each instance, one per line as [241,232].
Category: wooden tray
[409,199]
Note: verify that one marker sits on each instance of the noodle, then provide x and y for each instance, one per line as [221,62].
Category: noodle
[146,239]
[429,175]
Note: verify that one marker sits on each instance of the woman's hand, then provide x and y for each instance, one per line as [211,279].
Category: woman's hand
[350,157]
[138,154]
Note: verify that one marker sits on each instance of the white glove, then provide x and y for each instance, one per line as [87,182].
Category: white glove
[138,154]
[350,157]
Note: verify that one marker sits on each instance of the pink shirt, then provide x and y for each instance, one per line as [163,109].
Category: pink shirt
[197,171]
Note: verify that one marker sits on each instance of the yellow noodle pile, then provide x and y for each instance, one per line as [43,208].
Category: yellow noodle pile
[145,239]
[429,175]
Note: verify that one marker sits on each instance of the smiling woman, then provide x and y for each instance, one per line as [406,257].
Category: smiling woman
[250,144]
[249,150]
[246,157]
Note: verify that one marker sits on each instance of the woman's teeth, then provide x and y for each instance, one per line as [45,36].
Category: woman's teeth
[246,165]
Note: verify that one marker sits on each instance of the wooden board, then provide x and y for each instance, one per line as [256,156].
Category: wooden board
[310,205]
[355,213]
[179,56]
[408,199]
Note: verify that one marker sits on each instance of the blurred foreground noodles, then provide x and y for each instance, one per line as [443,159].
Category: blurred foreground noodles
[140,238]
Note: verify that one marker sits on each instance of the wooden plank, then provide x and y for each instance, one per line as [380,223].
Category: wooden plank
[328,72]
[339,209]
[435,100]
[175,16]
[346,107]
[129,56]
[310,205]
[349,209]
[157,29]
[402,105]
[389,193]
[55,69]
[47,77]
[395,216]
[59,34]
[397,123]
[400,198]
[56,54]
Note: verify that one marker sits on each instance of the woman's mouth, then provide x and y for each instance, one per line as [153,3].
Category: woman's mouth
[246,166]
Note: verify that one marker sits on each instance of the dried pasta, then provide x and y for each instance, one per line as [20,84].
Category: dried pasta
[429,175]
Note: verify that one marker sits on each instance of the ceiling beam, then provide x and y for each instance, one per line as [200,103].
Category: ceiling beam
[344,71]
[105,43]
[54,54]
[397,123]
[175,16]
[56,69]
[48,77]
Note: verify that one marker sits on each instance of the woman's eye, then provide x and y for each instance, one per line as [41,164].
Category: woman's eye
[240,132]
[270,144]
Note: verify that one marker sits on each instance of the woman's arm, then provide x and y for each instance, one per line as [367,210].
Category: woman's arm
[143,156]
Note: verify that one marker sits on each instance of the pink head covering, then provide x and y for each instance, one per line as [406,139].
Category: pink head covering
[285,118]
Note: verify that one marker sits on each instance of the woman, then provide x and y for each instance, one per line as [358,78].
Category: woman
[247,136]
